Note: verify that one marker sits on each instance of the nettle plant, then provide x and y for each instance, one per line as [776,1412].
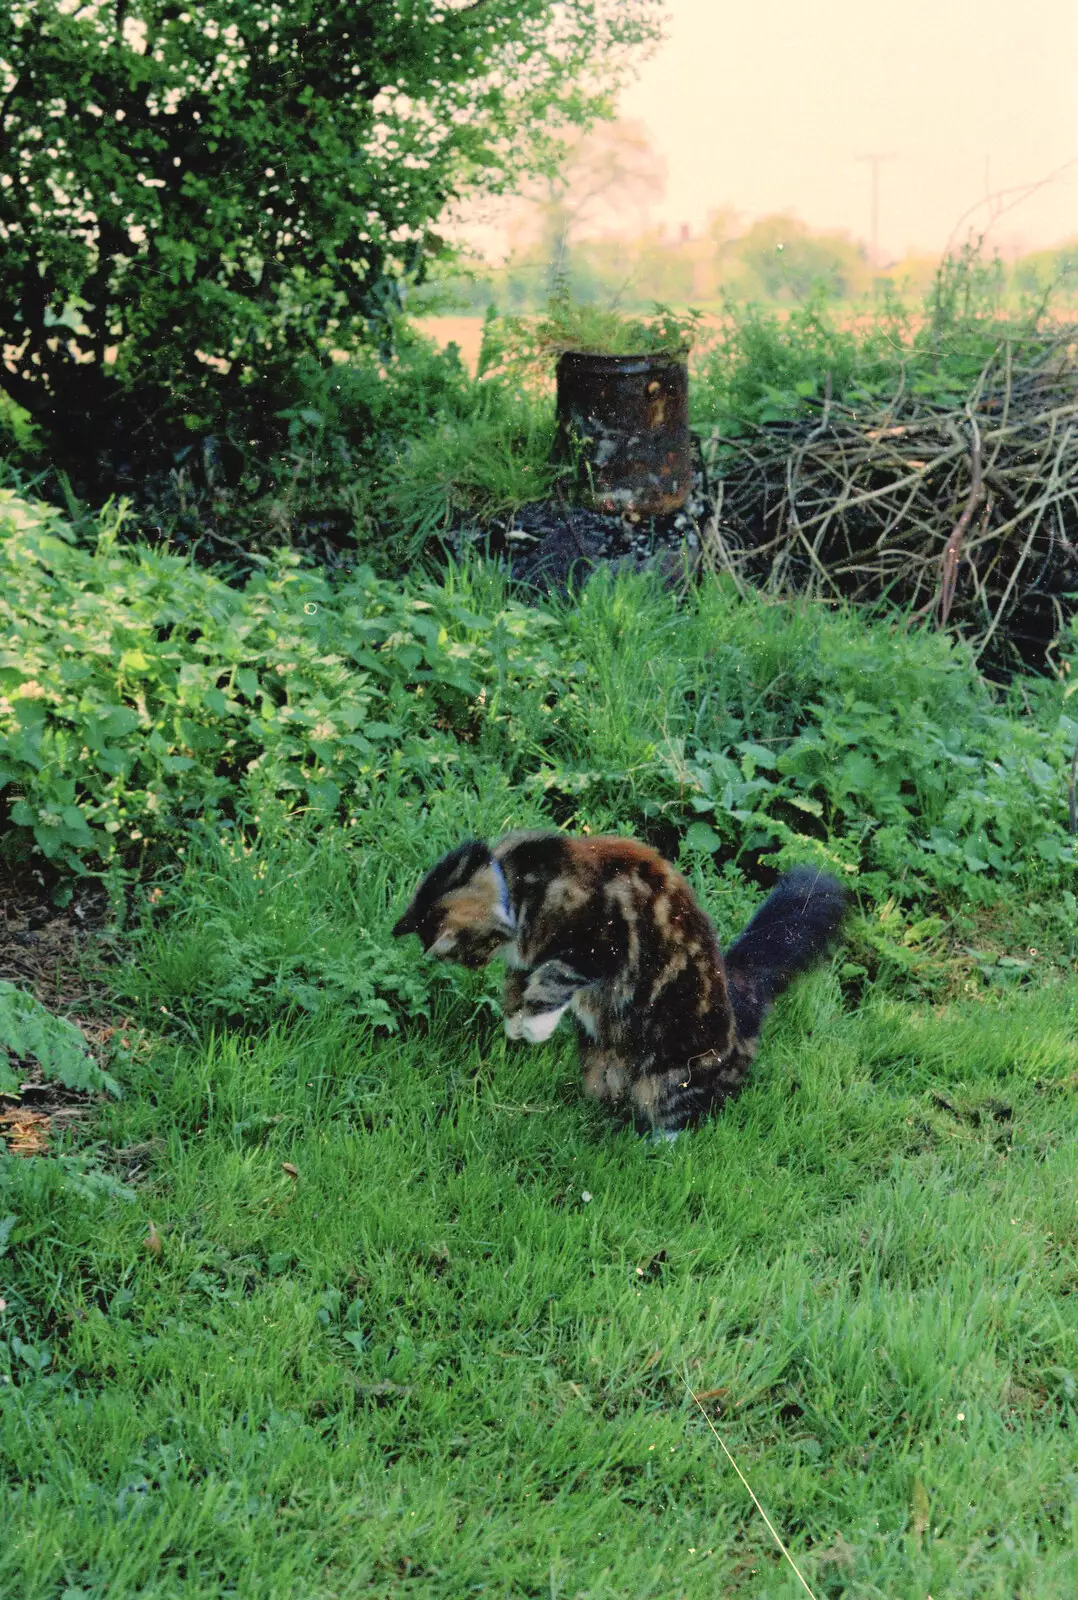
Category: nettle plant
[142,696]
[193,199]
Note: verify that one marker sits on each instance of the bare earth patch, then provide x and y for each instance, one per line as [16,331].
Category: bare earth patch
[52,953]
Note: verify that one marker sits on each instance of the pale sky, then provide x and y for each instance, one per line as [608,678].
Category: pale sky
[766,107]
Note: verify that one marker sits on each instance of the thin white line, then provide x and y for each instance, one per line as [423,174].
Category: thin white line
[745,1481]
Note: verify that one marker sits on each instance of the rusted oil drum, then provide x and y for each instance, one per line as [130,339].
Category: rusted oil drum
[629,418]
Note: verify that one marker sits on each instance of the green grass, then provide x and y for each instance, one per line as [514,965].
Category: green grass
[387,1347]
[425,1364]
[482,465]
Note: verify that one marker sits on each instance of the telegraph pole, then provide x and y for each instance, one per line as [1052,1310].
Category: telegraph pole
[874,160]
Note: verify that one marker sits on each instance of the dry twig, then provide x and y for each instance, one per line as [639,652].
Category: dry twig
[949,566]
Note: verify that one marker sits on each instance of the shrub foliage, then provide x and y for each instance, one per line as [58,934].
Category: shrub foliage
[190,200]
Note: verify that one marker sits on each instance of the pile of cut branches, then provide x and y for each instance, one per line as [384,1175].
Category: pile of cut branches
[959,507]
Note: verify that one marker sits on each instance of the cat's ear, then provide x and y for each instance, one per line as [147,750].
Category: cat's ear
[451,872]
[408,923]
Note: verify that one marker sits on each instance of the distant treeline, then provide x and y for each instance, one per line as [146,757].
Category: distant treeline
[778,260]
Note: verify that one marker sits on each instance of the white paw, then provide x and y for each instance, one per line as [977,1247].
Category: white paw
[514,1026]
[664,1135]
[537,1029]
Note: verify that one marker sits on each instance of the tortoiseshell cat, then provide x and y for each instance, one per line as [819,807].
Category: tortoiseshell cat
[607,930]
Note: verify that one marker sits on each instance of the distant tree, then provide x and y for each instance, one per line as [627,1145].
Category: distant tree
[193,200]
[607,170]
[721,227]
[781,259]
[600,174]
[662,269]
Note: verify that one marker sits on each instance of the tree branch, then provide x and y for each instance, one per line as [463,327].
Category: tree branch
[949,566]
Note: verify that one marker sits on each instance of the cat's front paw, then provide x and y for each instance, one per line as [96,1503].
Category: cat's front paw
[535,1027]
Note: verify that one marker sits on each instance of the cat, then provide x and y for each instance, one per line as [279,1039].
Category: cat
[608,931]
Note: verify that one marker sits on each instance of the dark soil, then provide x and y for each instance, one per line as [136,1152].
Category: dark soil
[42,946]
[551,546]
[54,953]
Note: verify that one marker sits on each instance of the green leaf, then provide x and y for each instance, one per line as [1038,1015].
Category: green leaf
[760,754]
[324,794]
[37,1358]
[28,1029]
[113,722]
[699,836]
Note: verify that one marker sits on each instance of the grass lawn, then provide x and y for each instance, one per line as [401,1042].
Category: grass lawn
[424,1322]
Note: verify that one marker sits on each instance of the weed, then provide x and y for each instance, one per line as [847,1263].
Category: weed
[28,1029]
[515,344]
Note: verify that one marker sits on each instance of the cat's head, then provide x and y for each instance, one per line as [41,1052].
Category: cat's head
[461,910]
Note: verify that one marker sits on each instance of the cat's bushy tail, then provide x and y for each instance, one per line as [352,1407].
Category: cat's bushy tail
[792,929]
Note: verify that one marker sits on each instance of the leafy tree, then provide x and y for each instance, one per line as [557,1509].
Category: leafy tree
[194,200]
[784,260]
[607,170]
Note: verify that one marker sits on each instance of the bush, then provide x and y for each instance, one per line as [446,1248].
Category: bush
[374,457]
[139,693]
[324,484]
[765,367]
[193,201]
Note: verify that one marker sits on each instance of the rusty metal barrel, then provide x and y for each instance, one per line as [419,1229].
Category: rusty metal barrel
[626,421]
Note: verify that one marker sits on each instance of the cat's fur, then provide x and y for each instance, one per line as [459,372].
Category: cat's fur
[606,930]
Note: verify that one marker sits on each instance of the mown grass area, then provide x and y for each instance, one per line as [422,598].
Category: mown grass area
[423,1323]
[389,1309]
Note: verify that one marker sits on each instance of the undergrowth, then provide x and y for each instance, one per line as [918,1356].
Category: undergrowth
[145,705]
[762,366]
[374,457]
